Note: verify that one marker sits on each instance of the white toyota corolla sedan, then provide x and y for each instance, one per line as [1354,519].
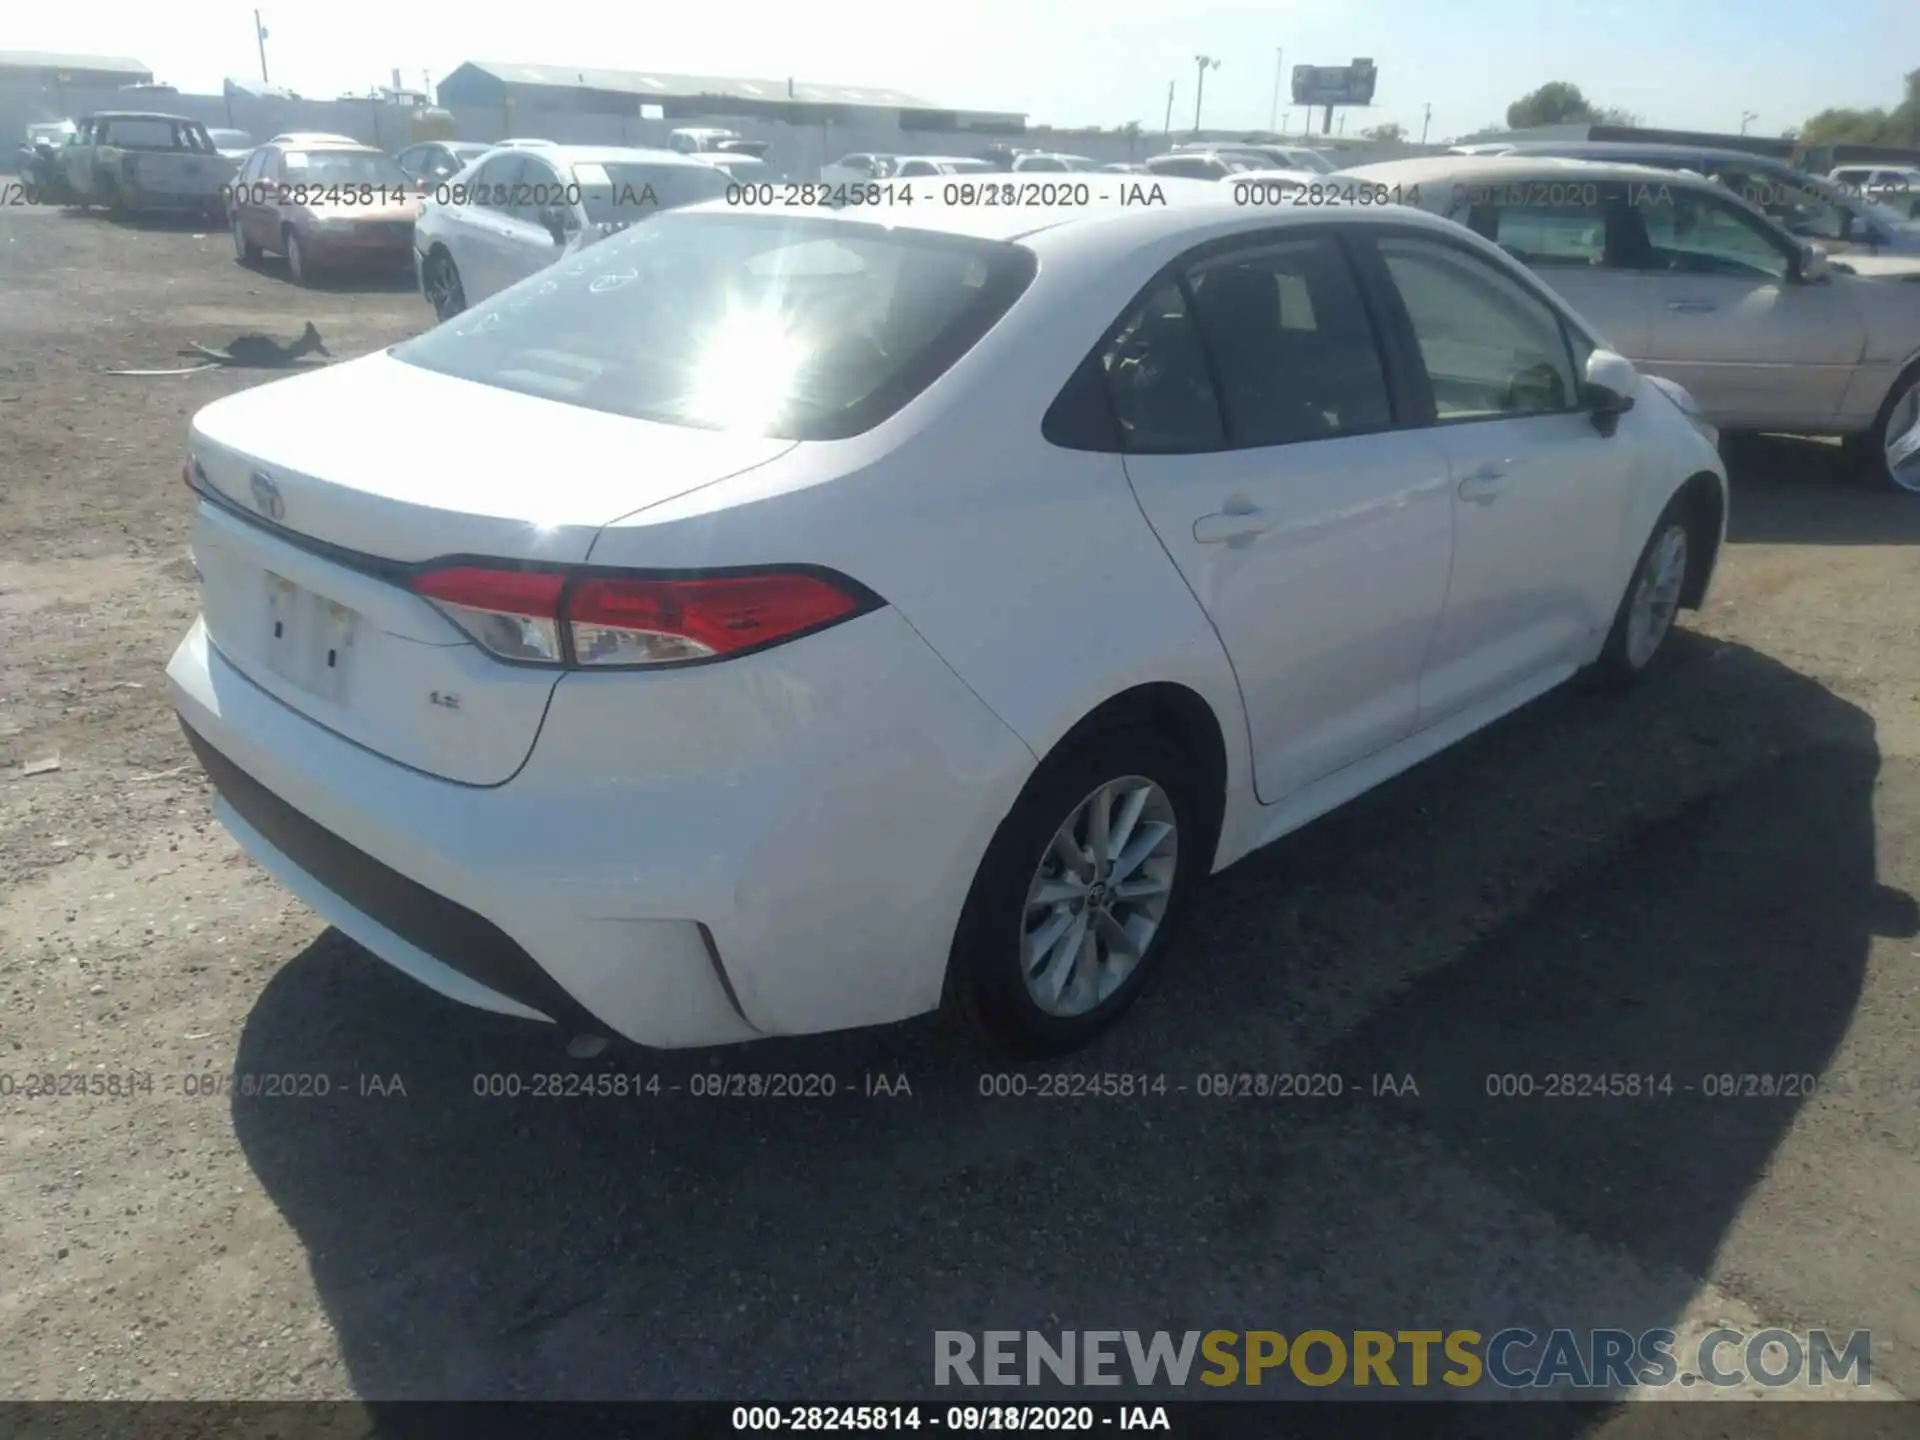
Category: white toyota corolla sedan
[795,621]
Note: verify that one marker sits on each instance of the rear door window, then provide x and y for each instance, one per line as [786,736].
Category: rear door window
[1292,349]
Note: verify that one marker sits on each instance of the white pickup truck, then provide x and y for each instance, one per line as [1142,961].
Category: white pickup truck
[131,160]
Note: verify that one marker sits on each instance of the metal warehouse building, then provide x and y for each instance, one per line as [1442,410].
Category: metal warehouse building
[528,89]
[38,69]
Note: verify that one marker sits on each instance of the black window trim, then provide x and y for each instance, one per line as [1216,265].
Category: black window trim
[1406,342]
[1404,397]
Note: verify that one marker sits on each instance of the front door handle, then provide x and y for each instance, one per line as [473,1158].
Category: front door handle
[1485,485]
[1237,522]
[1692,307]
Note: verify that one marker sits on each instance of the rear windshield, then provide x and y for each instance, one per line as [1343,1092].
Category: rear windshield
[343,167]
[795,327]
[621,194]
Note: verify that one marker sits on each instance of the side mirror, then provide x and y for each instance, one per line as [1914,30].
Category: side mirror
[1814,265]
[1610,383]
[559,222]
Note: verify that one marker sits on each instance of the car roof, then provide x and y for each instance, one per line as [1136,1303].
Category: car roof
[1190,204]
[1608,149]
[616,155]
[1480,169]
[319,146]
[140,115]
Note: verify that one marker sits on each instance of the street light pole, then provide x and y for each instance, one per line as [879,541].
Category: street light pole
[1747,117]
[1202,63]
[1279,69]
[1167,130]
[260,38]
[1426,122]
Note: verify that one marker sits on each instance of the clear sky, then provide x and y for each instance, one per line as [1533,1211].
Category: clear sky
[1692,64]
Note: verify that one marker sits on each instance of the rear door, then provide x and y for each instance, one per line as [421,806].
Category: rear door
[526,244]
[1260,429]
[1538,494]
[482,239]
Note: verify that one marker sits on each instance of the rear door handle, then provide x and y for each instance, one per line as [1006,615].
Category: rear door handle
[1692,307]
[1232,524]
[1485,485]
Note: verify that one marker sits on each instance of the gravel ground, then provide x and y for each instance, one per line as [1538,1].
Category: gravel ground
[1714,875]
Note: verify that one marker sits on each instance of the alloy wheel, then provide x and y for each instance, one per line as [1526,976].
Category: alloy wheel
[1098,896]
[1656,595]
[1901,451]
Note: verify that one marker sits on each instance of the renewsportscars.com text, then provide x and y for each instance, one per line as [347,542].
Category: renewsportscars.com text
[1509,1359]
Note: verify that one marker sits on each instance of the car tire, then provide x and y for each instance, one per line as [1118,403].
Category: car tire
[244,250]
[297,267]
[990,982]
[1644,621]
[440,283]
[1899,418]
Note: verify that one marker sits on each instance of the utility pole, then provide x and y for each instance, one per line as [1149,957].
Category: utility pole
[1747,117]
[260,38]
[1426,122]
[1279,70]
[1168,130]
[1203,63]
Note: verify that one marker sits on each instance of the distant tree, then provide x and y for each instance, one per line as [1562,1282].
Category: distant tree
[1394,130]
[1559,102]
[1898,126]
[1555,103]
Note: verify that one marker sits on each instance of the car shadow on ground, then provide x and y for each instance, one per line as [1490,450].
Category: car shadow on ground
[357,281]
[1679,882]
[1791,490]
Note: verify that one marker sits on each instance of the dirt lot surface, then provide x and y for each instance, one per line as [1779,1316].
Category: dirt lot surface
[1712,876]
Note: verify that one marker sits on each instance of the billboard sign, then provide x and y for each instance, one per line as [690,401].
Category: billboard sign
[1334,84]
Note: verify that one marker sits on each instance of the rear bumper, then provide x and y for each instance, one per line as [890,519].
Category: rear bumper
[345,250]
[686,859]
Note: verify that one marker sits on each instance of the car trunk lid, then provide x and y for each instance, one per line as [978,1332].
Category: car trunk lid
[325,492]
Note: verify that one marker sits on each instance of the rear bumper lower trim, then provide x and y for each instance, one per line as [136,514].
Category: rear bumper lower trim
[450,934]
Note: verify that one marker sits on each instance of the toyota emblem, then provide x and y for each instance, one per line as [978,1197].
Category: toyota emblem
[266,496]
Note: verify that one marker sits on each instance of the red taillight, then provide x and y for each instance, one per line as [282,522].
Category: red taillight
[513,613]
[549,617]
[626,622]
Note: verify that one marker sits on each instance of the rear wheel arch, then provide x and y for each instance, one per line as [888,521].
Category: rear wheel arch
[1182,715]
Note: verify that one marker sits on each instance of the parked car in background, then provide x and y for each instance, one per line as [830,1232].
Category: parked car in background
[128,160]
[1841,220]
[1895,186]
[432,161]
[313,137]
[1262,156]
[1052,162]
[1125,167]
[741,168]
[705,141]
[523,143]
[39,165]
[518,211]
[326,207]
[1692,283]
[910,166]
[858,168]
[1498,147]
[1203,164]
[234,144]
[851,611]
[1271,187]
